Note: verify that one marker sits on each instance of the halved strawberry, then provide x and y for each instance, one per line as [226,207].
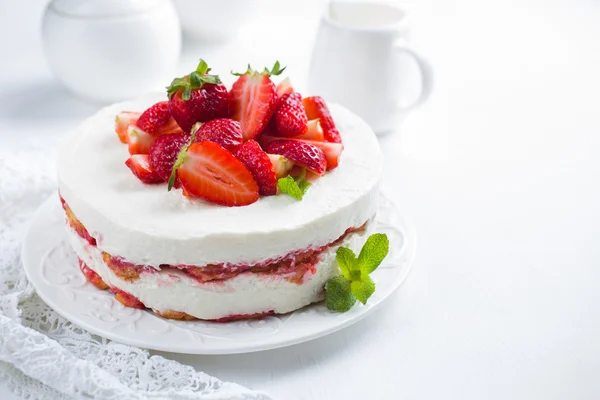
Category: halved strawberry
[290,117]
[301,153]
[284,87]
[260,166]
[138,141]
[212,173]
[314,131]
[197,97]
[281,165]
[157,120]
[122,122]
[316,108]
[253,100]
[164,151]
[139,164]
[223,131]
[332,151]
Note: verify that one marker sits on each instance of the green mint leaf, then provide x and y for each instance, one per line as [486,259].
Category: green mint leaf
[338,295]
[373,252]
[202,67]
[346,260]
[289,186]
[363,288]
[295,187]
[181,156]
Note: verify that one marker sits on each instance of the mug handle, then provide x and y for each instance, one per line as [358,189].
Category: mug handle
[426,75]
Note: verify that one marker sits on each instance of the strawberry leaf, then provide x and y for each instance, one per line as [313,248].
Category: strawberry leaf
[363,288]
[338,295]
[373,252]
[195,80]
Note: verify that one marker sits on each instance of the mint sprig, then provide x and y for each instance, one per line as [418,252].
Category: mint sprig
[294,186]
[194,80]
[275,71]
[355,283]
[181,156]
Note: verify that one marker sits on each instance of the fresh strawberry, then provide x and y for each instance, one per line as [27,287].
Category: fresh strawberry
[157,120]
[223,131]
[314,131]
[253,100]
[91,276]
[281,165]
[139,141]
[198,97]
[304,154]
[122,122]
[316,108]
[139,164]
[260,166]
[284,87]
[290,117]
[164,151]
[212,173]
[331,150]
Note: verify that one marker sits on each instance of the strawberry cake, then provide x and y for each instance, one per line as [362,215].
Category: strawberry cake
[218,203]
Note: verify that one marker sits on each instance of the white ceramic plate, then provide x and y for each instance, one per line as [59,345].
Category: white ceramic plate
[52,268]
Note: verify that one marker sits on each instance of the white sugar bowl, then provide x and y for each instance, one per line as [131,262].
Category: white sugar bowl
[111,50]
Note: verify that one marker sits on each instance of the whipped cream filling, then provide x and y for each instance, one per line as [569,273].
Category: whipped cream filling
[247,293]
[145,224]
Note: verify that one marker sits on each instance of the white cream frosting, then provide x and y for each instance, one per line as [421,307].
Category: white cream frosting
[145,224]
[247,293]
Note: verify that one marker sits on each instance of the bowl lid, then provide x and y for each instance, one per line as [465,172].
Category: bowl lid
[102,8]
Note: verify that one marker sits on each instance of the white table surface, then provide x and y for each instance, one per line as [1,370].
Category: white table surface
[500,173]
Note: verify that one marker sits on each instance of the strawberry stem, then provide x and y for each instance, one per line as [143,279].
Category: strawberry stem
[194,80]
[276,70]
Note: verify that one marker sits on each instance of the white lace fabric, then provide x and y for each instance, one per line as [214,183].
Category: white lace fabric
[44,356]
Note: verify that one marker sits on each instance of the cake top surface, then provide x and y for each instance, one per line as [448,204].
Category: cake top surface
[146,223]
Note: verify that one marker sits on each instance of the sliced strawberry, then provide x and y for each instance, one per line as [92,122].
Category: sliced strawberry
[164,151]
[332,151]
[304,154]
[260,166]
[314,131]
[253,100]
[281,165]
[122,122]
[157,120]
[223,131]
[197,97]
[284,87]
[316,108]
[214,174]
[138,140]
[139,164]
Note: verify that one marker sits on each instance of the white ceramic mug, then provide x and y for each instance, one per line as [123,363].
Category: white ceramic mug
[359,61]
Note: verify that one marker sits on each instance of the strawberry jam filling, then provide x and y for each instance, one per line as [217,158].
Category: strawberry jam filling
[294,266]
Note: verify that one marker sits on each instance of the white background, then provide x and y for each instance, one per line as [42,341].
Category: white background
[499,171]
